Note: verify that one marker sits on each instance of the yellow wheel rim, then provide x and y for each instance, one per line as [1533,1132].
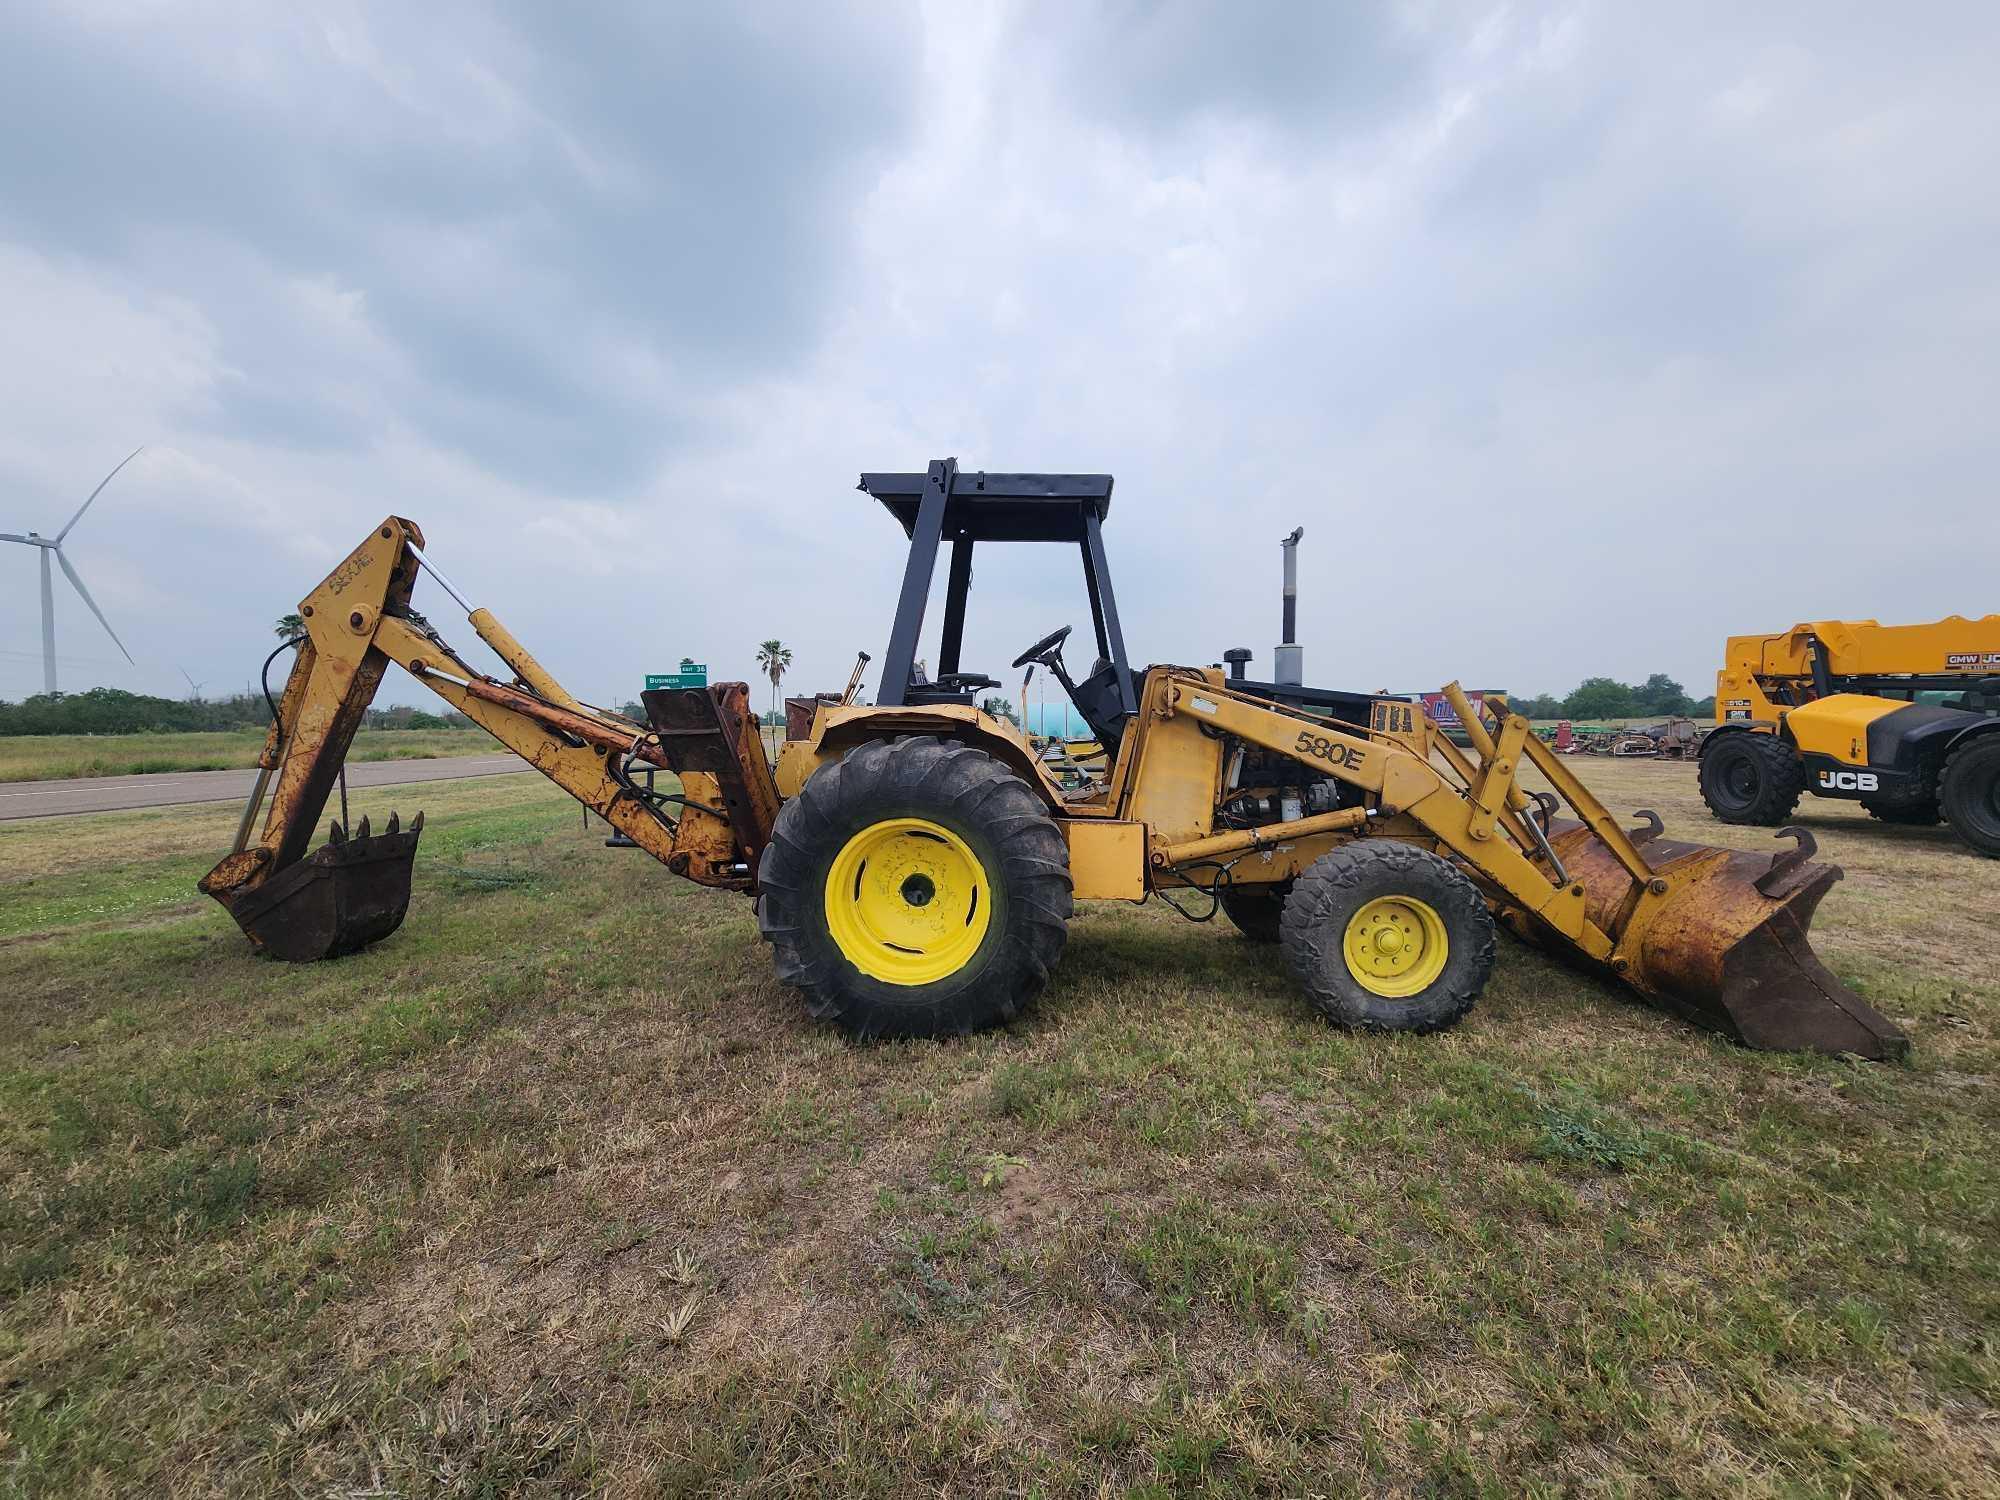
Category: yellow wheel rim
[907,901]
[1395,946]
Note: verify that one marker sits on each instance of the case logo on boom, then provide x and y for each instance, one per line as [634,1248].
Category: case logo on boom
[1849,781]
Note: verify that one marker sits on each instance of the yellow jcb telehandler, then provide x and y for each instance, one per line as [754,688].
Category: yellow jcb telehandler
[915,864]
[1904,719]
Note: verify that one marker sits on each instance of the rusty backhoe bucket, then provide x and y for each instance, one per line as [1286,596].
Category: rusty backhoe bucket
[348,893]
[1727,948]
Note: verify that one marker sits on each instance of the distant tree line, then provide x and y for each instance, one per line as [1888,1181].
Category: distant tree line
[112,711]
[1659,696]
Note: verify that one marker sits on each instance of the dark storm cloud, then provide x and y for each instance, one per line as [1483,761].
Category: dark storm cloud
[508,194]
[1166,64]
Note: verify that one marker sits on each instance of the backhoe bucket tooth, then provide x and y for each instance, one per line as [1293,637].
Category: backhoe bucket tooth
[345,895]
[1727,947]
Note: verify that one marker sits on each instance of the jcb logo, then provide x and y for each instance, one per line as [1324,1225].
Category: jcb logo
[1849,781]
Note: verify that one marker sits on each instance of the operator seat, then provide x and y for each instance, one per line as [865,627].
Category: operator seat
[951,687]
[1097,698]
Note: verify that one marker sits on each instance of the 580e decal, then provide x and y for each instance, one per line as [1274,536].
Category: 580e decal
[1319,747]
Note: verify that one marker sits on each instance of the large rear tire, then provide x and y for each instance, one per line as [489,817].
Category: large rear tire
[1387,937]
[1751,778]
[1257,910]
[1969,792]
[915,888]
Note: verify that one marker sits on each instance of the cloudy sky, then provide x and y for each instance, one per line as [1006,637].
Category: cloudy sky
[1577,338]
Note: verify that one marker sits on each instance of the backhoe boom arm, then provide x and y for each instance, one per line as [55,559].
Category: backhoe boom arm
[356,623]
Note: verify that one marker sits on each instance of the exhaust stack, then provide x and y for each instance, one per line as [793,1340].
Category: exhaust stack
[1289,659]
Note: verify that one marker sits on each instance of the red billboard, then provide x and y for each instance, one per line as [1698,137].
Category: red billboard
[1443,714]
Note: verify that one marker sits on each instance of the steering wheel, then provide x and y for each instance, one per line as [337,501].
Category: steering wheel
[1050,642]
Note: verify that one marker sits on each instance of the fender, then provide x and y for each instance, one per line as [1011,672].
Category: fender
[1734,726]
[837,729]
[1991,726]
[1914,740]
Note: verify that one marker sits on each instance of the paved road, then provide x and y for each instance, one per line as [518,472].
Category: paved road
[50,799]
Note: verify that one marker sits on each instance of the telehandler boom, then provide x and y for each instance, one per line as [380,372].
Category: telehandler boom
[915,864]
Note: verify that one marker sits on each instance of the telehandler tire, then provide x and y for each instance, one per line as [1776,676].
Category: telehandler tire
[1386,937]
[1257,910]
[915,888]
[1969,792]
[1751,778]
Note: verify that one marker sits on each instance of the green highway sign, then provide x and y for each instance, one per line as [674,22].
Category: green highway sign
[693,674]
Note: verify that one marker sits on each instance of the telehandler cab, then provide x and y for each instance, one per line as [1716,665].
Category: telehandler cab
[914,863]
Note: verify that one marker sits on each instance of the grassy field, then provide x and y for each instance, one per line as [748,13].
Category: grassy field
[558,1191]
[55,757]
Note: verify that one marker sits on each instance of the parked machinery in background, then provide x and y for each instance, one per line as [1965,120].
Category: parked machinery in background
[1904,719]
[1679,738]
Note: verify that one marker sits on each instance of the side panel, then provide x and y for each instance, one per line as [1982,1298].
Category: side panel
[1176,766]
[1740,698]
[1827,777]
[1917,733]
[1837,727]
[1107,859]
[1859,746]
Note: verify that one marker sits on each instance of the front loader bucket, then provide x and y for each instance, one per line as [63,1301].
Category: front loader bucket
[1726,948]
[345,895]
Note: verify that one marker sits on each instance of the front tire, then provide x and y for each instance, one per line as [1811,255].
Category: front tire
[1386,937]
[1969,792]
[915,888]
[1751,778]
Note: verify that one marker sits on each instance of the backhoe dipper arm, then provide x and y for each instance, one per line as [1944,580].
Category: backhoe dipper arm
[357,621]
[333,680]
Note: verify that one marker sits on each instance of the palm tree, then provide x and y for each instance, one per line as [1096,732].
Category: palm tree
[774,657]
[289,626]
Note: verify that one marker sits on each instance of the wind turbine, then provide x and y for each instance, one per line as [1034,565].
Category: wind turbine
[54,545]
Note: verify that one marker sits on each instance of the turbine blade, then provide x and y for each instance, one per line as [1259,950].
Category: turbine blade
[86,506]
[70,574]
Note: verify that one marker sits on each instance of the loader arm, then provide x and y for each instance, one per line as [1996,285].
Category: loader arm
[354,891]
[1715,936]
[1468,822]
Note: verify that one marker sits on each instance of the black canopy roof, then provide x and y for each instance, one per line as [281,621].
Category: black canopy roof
[1000,507]
[942,504]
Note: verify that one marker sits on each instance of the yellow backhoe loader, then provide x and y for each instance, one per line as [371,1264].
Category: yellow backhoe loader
[915,864]
[1904,719]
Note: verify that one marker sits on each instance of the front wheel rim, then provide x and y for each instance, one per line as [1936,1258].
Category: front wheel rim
[1739,780]
[907,901]
[1395,946]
